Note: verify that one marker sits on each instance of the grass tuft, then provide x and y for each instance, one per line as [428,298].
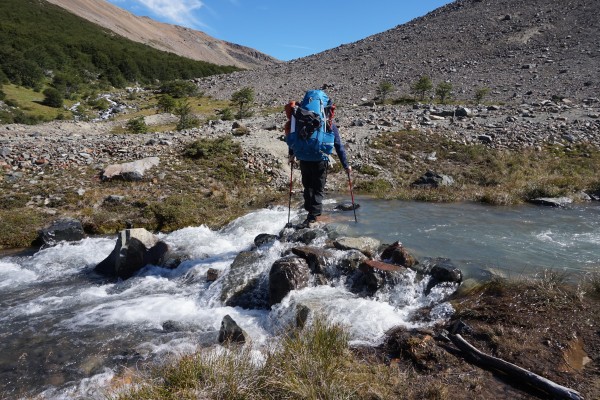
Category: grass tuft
[315,363]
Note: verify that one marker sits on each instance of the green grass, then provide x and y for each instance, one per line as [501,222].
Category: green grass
[30,102]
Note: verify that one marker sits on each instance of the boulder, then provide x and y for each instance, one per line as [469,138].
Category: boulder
[351,261]
[65,229]
[463,112]
[366,245]
[287,274]
[367,281]
[135,249]
[174,326]
[367,265]
[594,195]
[244,284]
[397,254]
[552,201]
[306,235]
[347,206]
[264,239]
[131,171]
[315,257]
[433,180]
[212,275]
[446,273]
[487,139]
[441,270]
[231,332]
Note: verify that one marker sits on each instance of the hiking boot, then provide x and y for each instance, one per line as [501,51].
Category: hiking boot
[310,220]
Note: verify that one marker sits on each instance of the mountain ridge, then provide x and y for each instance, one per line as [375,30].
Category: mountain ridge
[179,40]
[521,51]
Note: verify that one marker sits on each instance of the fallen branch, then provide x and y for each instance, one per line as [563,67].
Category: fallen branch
[514,371]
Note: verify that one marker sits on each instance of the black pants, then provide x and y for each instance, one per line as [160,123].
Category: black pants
[314,175]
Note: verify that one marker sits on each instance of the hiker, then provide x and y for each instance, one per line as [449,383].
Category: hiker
[311,137]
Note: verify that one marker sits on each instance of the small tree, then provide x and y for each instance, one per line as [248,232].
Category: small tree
[179,88]
[186,119]
[226,114]
[384,89]
[243,99]
[480,93]
[443,91]
[52,98]
[137,125]
[166,103]
[422,87]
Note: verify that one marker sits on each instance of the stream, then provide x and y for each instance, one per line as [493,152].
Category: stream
[66,333]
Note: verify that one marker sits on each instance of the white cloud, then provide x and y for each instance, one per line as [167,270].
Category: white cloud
[180,12]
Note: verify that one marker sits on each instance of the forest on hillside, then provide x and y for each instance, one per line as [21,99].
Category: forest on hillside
[41,43]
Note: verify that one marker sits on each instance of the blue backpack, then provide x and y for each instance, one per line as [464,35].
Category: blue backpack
[310,137]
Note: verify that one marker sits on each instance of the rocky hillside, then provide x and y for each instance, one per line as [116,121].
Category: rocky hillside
[521,50]
[172,38]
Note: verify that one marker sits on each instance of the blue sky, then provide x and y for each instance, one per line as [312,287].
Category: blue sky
[282,28]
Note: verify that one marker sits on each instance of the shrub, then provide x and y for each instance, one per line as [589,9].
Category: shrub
[209,148]
[179,88]
[187,120]
[443,91]
[166,103]
[243,99]
[480,94]
[384,89]
[137,125]
[101,104]
[226,114]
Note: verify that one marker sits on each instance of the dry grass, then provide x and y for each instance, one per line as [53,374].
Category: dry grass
[481,173]
[312,364]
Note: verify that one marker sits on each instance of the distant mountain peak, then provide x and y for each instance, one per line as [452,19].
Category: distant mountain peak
[175,39]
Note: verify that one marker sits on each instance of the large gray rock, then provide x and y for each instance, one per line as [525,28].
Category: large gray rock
[441,270]
[245,284]
[347,206]
[65,229]
[287,274]
[316,257]
[231,332]
[366,245]
[552,201]
[135,249]
[131,171]
[433,180]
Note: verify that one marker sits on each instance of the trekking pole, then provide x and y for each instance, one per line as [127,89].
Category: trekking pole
[352,195]
[291,186]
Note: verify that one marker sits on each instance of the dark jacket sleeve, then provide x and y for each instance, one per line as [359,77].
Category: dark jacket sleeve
[339,147]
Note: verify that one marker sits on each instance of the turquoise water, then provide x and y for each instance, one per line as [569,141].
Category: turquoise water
[517,240]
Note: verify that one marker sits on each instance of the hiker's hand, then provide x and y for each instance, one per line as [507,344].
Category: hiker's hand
[292,159]
[349,169]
